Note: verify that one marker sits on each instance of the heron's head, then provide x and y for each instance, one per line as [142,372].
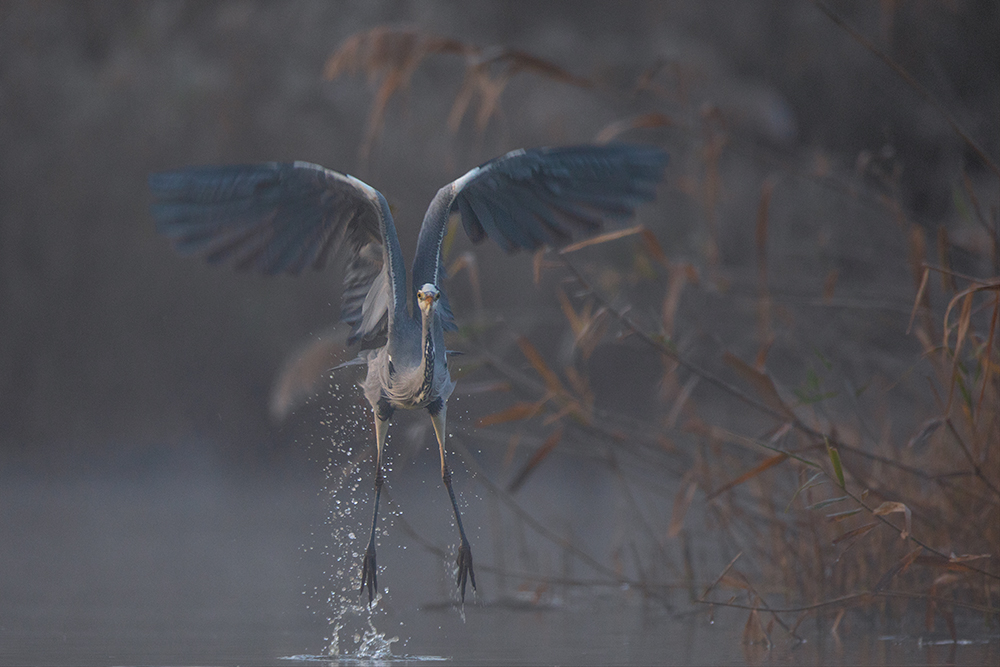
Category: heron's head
[427,297]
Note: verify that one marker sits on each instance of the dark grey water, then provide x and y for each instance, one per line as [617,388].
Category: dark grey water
[199,569]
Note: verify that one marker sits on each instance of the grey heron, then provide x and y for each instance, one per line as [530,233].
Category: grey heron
[286,217]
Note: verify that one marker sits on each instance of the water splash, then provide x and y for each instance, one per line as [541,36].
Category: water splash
[353,634]
[374,646]
[360,660]
[346,611]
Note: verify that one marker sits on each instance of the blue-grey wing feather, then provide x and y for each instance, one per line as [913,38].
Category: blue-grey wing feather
[283,218]
[541,197]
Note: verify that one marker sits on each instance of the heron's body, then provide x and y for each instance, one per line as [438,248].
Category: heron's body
[284,217]
[413,372]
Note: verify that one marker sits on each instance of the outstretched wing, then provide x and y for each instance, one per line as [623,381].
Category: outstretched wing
[547,196]
[282,218]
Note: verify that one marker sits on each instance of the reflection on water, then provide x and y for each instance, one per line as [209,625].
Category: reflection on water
[194,568]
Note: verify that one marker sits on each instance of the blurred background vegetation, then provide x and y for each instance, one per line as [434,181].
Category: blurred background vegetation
[809,187]
[108,341]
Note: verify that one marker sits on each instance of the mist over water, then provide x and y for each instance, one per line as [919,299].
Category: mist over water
[176,570]
[166,499]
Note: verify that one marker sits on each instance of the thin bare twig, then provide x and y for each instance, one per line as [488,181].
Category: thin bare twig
[912,82]
[663,347]
[863,597]
[976,470]
[537,526]
[719,578]
[781,416]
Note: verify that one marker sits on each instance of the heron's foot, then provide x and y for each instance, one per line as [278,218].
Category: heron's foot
[368,577]
[465,571]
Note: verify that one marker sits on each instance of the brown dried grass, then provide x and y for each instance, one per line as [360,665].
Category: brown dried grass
[826,517]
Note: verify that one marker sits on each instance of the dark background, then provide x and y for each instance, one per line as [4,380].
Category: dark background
[148,502]
[113,346]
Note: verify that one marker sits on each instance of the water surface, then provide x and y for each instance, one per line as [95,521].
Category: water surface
[197,569]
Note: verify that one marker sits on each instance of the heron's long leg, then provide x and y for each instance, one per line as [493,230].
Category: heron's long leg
[369,575]
[439,415]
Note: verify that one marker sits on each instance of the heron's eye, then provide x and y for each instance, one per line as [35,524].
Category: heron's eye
[437,295]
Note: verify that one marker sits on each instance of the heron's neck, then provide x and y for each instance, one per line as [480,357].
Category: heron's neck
[427,363]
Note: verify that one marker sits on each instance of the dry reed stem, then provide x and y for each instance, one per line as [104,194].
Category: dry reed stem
[390,56]
[800,548]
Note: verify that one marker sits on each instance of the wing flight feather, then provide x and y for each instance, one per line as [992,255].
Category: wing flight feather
[284,218]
